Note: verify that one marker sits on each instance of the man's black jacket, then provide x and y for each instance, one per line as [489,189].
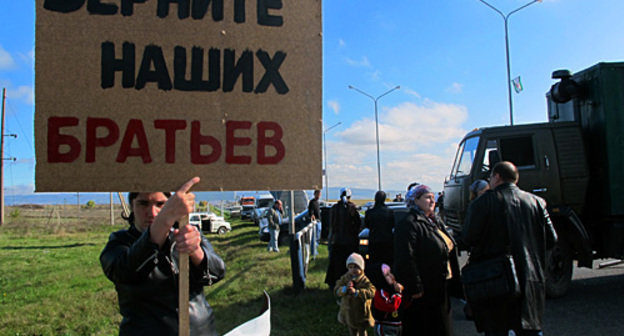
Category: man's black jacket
[506,216]
[147,287]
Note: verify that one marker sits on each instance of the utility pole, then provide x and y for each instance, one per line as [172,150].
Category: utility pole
[325,152]
[2,158]
[2,161]
[112,216]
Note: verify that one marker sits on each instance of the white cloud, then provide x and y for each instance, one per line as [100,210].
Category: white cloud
[455,88]
[6,60]
[409,126]
[425,168]
[417,143]
[410,92]
[28,58]
[21,189]
[364,62]
[376,75]
[23,93]
[334,105]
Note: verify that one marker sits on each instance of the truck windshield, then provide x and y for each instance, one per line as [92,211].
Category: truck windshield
[264,203]
[465,157]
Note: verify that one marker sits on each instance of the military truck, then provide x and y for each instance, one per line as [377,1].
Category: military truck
[574,161]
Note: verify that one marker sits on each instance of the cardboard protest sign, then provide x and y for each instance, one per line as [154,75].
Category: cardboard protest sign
[144,94]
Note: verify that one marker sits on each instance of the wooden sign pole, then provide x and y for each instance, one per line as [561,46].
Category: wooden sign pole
[183,280]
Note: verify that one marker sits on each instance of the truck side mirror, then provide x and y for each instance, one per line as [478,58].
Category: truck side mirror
[566,89]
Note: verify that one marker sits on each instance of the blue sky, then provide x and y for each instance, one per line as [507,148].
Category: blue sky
[448,56]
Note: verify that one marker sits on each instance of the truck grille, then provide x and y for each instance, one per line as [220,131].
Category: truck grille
[452,221]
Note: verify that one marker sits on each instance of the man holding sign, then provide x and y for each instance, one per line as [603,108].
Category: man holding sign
[142,261]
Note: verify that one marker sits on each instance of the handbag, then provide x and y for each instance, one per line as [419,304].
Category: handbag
[493,279]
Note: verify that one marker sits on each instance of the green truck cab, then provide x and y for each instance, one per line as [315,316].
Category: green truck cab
[573,161]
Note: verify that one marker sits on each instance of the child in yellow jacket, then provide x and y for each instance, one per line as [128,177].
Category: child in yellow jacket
[356,293]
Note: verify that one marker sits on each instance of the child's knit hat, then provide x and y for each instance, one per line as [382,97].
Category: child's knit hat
[356,259]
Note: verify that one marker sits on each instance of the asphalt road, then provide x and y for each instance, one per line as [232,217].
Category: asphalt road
[594,305]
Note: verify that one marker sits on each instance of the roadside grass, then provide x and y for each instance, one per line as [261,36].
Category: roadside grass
[51,282]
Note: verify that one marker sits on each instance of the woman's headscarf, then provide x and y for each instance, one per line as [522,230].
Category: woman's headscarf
[376,274]
[478,185]
[415,193]
[345,193]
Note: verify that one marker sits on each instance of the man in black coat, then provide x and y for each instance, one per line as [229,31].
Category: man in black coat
[380,222]
[343,236]
[507,216]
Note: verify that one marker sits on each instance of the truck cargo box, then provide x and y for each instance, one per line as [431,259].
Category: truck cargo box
[598,106]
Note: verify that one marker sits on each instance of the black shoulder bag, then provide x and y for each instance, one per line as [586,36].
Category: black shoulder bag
[492,279]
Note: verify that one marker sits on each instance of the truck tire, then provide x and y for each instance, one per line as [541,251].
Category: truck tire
[558,270]
[222,230]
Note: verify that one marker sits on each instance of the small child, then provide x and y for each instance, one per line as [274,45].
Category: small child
[387,300]
[356,293]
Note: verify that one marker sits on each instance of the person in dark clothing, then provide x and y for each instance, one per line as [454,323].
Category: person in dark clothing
[343,236]
[425,262]
[314,211]
[507,216]
[440,204]
[380,221]
[142,263]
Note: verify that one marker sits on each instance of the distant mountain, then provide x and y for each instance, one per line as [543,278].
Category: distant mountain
[210,196]
[98,198]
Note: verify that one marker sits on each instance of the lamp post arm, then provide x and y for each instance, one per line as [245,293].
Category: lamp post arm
[495,9]
[329,129]
[522,7]
[362,92]
[387,92]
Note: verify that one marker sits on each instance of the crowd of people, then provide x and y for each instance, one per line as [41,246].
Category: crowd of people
[404,288]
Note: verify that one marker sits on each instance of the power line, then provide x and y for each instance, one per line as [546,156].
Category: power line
[23,133]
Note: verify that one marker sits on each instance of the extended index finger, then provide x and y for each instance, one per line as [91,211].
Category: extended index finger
[188,185]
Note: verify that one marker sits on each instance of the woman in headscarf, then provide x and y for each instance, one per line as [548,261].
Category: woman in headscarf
[426,264]
[344,230]
[477,188]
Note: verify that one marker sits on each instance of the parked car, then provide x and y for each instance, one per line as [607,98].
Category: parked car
[235,210]
[209,222]
[363,248]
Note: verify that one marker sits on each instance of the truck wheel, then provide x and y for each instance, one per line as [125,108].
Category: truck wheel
[222,230]
[558,270]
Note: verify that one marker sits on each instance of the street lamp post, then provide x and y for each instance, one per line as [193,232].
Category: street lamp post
[506,19]
[375,99]
[325,159]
